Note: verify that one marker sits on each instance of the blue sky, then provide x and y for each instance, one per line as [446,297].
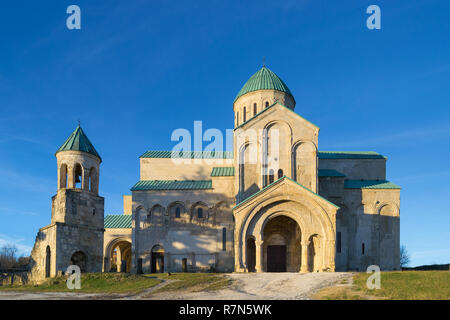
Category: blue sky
[137,70]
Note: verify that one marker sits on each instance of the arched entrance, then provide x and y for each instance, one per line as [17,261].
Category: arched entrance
[120,254]
[281,236]
[157,259]
[79,259]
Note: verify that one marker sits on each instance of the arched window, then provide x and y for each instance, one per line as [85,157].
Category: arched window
[237,119]
[200,213]
[267,104]
[224,239]
[177,212]
[78,174]
[363,248]
[245,114]
[280,173]
[255,109]
[271,176]
[47,262]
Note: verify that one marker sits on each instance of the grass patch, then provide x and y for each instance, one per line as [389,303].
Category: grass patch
[93,283]
[409,285]
[193,281]
[398,285]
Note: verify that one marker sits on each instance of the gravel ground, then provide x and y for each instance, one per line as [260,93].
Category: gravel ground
[246,286]
[264,286]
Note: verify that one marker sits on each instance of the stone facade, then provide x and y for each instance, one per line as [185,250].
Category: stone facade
[275,203]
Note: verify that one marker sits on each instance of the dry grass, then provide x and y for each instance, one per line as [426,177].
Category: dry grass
[93,283]
[193,282]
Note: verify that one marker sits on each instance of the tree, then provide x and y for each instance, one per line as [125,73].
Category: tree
[8,257]
[405,258]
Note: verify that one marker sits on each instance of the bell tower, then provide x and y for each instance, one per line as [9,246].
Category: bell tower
[75,234]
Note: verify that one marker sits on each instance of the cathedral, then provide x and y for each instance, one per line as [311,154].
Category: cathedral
[276,203]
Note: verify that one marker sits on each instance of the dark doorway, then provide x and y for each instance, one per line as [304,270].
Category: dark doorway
[79,259]
[157,263]
[184,265]
[47,262]
[276,258]
[251,255]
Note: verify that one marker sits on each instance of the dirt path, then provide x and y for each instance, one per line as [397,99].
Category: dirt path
[265,286]
[248,286]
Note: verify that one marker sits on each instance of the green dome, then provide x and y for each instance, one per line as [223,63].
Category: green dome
[264,79]
[78,141]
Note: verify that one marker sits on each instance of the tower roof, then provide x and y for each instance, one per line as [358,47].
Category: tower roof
[78,141]
[264,79]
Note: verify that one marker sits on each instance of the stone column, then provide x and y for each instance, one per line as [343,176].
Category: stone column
[259,259]
[85,180]
[304,266]
[70,177]
[332,254]
[118,259]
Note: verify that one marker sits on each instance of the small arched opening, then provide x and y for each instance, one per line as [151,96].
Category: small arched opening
[120,257]
[157,263]
[47,261]
[79,259]
[78,176]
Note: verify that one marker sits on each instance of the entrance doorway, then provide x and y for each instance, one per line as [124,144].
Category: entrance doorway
[157,259]
[276,258]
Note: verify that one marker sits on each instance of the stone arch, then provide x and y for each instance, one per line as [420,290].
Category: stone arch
[304,163]
[256,218]
[118,255]
[63,176]
[156,215]
[220,213]
[199,211]
[79,258]
[176,210]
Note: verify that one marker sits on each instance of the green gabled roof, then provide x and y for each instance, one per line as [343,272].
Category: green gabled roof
[275,182]
[78,141]
[117,221]
[369,184]
[264,79]
[222,172]
[189,154]
[146,185]
[349,155]
[330,173]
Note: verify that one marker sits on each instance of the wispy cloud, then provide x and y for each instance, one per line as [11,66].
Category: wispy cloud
[22,249]
[27,182]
